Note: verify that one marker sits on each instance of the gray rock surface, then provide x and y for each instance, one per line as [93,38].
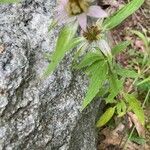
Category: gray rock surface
[34,114]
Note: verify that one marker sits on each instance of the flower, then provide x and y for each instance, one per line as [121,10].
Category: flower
[95,38]
[69,10]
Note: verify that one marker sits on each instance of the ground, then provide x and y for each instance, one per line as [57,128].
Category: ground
[114,135]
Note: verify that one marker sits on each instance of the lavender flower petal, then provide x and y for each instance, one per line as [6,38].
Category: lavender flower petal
[97,12]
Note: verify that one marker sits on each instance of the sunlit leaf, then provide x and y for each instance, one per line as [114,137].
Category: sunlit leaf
[88,59]
[136,107]
[90,69]
[65,42]
[106,117]
[98,76]
[122,14]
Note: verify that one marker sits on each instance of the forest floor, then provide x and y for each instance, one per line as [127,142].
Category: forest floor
[114,136]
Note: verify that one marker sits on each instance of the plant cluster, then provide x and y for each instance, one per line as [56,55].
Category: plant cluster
[97,58]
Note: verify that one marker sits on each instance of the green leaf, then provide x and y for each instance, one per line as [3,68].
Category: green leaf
[65,42]
[121,108]
[126,72]
[9,1]
[144,81]
[120,47]
[105,117]
[136,107]
[88,60]
[116,86]
[142,37]
[90,69]
[103,92]
[122,14]
[138,140]
[144,84]
[98,76]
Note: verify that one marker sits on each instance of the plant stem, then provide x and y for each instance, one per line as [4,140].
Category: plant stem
[146,98]
[130,88]
[130,135]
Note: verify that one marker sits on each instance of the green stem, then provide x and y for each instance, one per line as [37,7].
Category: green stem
[146,98]
[130,88]
[130,135]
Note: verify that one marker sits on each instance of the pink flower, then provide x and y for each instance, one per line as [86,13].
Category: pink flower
[79,13]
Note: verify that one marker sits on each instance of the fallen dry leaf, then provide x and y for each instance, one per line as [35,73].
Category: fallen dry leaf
[138,125]
[112,138]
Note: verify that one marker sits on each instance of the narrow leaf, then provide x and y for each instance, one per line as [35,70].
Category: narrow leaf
[65,42]
[122,14]
[120,47]
[136,107]
[106,117]
[144,81]
[126,73]
[142,37]
[138,140]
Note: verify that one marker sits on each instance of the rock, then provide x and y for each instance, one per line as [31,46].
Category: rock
[39,114]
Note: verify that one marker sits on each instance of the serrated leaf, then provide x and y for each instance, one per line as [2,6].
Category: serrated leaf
[122,14]
[65,42]
[105,117]
[9,1]
[88,60]
[116,86]
[126,72]
[120,47]
[90,69]
[98,76]
[136,107]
